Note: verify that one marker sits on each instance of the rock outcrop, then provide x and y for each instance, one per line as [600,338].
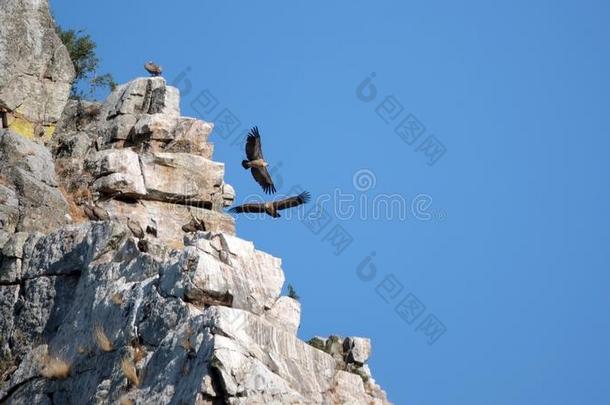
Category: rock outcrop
[30,198]
[35,69]
[122,279]
[203,324]
[138,159]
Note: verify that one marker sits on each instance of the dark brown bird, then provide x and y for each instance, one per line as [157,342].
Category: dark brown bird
[151,230]
[256,161]
[153,68]
[135,228]
[194,225]
[89,213]
[272,207]
[96,213]
[143,245]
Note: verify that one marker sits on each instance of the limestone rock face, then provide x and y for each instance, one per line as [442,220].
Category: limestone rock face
[30,199]
[197,326]
[143,109]
[35,68]
[117,171]
[110,294]
[285,313]
[189,179]
[137,158]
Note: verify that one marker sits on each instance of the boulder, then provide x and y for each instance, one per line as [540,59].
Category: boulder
[30,157]
[286,314]
[28,172]
[117,171]
[250,279]
[358,349]
[79,116]
[146,99]
[158,127]
[191,136]
[183,178]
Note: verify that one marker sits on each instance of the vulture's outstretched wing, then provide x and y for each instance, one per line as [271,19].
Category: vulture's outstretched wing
[294,201]
[263,178]
[254,149]
[251,207]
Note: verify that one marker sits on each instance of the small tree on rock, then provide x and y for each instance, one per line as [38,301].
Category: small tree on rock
[292,293]
[82,52]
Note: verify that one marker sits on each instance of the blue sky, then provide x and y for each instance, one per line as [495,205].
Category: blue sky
[514,260]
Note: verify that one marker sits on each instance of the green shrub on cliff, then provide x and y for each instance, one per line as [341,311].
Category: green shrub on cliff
[82,52]
[292,293]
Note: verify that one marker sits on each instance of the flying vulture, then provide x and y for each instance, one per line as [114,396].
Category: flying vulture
[256,162]
[153,68]
[272,207]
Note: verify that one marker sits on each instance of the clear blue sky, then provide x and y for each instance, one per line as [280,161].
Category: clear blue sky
[515,261]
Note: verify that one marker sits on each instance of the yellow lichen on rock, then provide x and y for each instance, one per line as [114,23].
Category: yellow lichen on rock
[30,130]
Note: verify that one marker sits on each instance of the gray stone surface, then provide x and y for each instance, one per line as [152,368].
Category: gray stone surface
[285,313]
[182,177]
[9,212]
[79,116]
[91,314]
[358,349]
[135,157]
[146,99]
[35,67]
[32,158]
[191,136]
[28,173]
[117,171]
[153,310]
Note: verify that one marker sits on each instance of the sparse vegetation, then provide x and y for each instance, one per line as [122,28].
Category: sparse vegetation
[317,343]
[74,185]
[82,51]
[101,339]
[76,212]
[54,367]
[129,371]
[292,293]
[359,371]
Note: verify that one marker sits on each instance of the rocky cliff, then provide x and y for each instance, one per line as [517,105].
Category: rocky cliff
[35,69]
[122,279]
